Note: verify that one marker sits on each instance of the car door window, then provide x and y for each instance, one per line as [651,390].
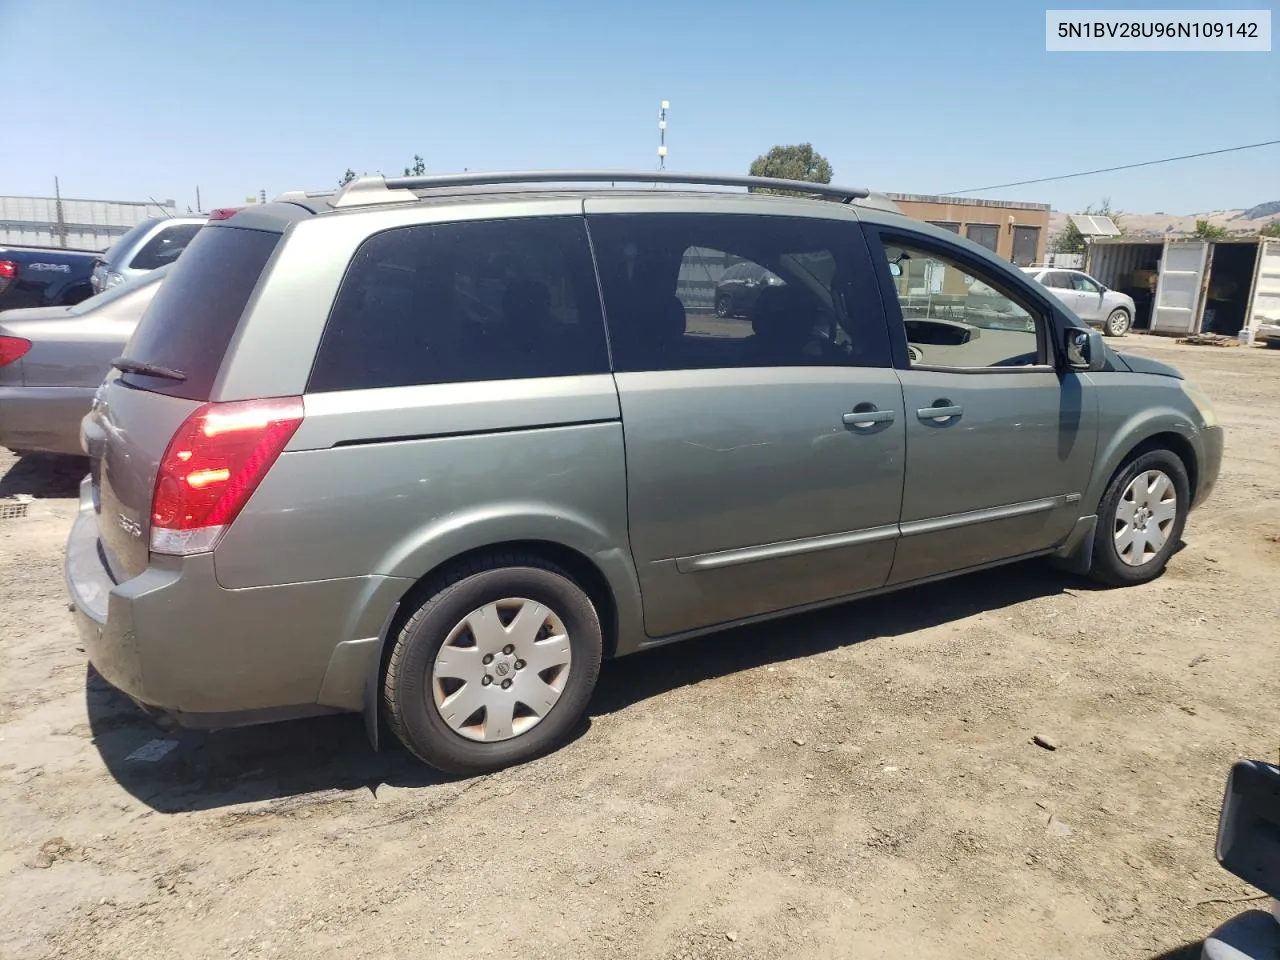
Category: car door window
[1082,283]
[803,295]
[165,246]
[959,316]
[1057,280]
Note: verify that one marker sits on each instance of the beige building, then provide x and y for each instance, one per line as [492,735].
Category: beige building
[1014,231]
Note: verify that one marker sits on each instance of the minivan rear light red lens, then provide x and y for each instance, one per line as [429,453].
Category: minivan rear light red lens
[211,468]
[224,213]
[12,348]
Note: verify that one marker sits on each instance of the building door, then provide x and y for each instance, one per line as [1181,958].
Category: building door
[1180,288]
[1265,307]
[1026,243]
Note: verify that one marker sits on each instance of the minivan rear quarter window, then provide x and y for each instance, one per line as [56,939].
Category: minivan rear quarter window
[455,302]
[197,309]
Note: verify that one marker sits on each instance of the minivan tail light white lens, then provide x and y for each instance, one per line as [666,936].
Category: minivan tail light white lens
[211,468]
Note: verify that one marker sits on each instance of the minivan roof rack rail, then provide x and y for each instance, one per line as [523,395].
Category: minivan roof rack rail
[367,190]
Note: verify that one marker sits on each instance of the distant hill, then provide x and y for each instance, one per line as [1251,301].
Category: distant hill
[1161,225]
[1262,210]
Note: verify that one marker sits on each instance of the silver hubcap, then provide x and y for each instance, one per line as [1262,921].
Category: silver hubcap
[501,669]
[1119,322]
[1144,517]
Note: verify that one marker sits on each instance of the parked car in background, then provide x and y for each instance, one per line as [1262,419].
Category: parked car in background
[1268,333]
[739,287]
[432,447]
[44,276]
[52,359]
[1090,300]
[151,244]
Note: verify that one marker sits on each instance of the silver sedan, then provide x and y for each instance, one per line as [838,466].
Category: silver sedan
[1090,300]
[52,359]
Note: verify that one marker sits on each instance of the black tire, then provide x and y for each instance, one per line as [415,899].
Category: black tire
[724,306]
[1108,567]
[1117,323]
[408,703]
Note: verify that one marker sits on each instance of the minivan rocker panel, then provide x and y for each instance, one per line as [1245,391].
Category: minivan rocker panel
[433,455]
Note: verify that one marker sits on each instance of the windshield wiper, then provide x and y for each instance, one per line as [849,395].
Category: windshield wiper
[125,365]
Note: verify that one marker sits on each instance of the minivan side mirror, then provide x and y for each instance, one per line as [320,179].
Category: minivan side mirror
[1084,349]
[1249,825]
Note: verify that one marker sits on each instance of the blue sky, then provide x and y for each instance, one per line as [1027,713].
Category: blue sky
[143,98]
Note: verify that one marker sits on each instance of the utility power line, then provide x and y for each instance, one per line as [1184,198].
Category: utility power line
[1125,166]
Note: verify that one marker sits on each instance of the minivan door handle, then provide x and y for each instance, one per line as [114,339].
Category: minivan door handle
[865,415]
[940,412]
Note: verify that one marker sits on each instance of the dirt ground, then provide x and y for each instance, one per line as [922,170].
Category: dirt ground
[855,783]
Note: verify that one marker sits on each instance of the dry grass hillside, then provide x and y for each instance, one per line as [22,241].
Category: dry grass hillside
[1162,224]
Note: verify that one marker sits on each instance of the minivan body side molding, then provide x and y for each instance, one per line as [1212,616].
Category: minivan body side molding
[936,524]
[366,441]
[787,548]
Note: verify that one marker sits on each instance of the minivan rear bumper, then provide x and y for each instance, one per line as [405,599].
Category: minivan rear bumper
[174,640]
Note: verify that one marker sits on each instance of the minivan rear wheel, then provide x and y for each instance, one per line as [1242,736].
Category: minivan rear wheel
[1140,519]
[495,667]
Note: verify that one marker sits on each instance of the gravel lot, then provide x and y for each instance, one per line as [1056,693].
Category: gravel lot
[859,782]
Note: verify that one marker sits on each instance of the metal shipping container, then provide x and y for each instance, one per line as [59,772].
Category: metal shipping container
[81,224]
[1216,286]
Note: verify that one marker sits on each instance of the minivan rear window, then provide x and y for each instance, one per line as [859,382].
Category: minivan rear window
[197,308]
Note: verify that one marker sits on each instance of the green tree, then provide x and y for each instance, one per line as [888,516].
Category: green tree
[1207,231]
[1272,229]
[791,162]
[1071,240]
[418,169]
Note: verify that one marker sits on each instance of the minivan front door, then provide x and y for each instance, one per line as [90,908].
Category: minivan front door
[1000,444]
[765,455]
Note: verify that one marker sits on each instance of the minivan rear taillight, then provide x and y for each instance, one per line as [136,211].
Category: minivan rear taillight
[12,348]
[212,466]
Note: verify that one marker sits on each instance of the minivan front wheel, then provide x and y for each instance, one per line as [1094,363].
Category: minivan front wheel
[1140,519]
[1117,324]
[495,667]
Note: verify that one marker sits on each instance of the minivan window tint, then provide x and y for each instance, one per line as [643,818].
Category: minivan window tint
[674,300]
[456,302]
[165,246]
[197,309]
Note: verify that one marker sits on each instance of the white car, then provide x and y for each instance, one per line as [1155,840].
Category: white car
[1268,333]
[1088,299]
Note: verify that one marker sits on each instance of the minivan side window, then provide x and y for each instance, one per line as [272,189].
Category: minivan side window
[715,291]
[957,315]
[458,302]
